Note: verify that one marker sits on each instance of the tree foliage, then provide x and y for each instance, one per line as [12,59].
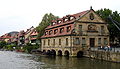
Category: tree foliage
[2,44]
[105,13]
[46,21]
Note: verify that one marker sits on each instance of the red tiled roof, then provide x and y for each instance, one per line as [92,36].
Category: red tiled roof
[21,33]
[33,38]
[77,15]
[58,33]
[34,33]
[63,24]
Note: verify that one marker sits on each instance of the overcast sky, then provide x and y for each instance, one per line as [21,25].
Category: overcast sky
[16,15]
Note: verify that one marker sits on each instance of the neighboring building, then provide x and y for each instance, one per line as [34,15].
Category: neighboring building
[6,38]
[21,38]
[1,38]
[33,37]
[73,34]
[15,39]
[27,34]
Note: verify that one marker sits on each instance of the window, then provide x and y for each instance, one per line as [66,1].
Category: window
[71,18]
[53,41]
[68,28]
[44,42]
[83,42]
[59,41]
[48,41]
[46,32]
[66,41]
[61,30]
[102,29]
[54,23]
[65,19]
[76,41]
[55,31]
[99,41]
[50,32]
[59,21]
[105,41]
[91,16]
[80,28]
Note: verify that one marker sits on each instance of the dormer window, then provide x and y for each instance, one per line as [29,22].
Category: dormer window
[71,18]
[54,23]
[50,32]
[55,31]
[68,28]
[61,30]
[65,19]
[46,32]
[59,21]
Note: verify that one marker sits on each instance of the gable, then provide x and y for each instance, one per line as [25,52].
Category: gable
[91,16]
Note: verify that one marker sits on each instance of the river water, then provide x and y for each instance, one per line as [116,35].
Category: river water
[13,60]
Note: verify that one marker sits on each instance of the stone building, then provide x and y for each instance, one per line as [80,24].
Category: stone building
[73,34]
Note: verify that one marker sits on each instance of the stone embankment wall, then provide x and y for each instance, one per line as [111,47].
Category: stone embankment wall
[103,55]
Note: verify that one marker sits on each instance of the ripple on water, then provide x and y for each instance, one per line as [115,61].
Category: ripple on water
[13,60]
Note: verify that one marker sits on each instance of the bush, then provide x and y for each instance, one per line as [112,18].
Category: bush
[28,48]
[3,44]
[10,47]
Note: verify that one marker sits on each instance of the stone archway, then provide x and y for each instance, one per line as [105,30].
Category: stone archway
[80,54]
[66,53]
[59,53]
[53,52]
[48,52]
[44,52]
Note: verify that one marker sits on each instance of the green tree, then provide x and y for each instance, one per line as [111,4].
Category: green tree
[46,21]
[105,13]
[2,44]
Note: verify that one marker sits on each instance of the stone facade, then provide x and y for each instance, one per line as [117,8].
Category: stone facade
[75,34]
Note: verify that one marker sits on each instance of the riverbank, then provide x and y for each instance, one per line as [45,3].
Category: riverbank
[15,60]
[104,55]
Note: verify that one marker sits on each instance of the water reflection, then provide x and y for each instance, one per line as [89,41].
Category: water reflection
[13,60]
[76,63]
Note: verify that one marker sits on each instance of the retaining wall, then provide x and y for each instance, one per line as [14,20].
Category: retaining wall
[103,55]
